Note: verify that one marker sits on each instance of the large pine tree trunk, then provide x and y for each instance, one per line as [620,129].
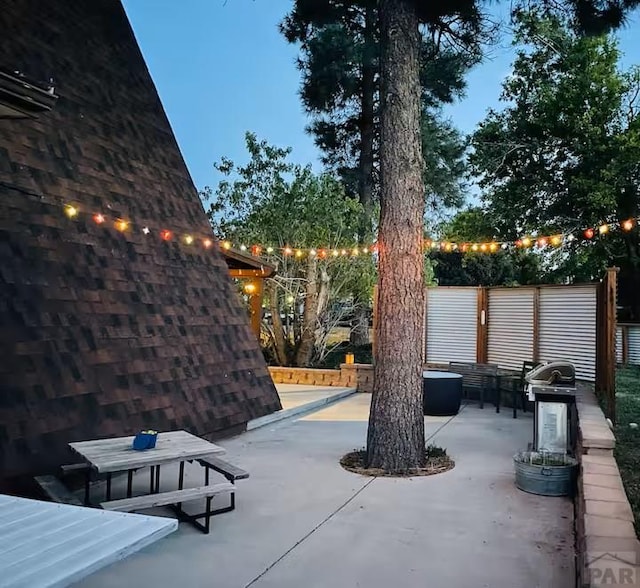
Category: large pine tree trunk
[396,439]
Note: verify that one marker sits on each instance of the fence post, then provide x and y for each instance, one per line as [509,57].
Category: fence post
[610,358]
[482,330]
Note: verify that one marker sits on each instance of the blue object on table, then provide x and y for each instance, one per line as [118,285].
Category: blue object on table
[145,440]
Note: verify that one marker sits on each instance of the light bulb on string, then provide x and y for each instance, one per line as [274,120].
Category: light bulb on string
[344,252]
[287,251]
[335,253]
[188,239]
[298,252]
[207,243]
[556,240]
[355,252]
[243,247]
[483,247]
[166,235]
[122,225]
[589,233]
[313,252]
[269,249]
[526,242]
[474,247]
[603,229]
[71,211]
[226,245]
[493,247]
[542,242]
[627,225]
[146,230]
[98,218]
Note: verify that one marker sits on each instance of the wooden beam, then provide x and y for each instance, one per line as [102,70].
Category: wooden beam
[249,273]
[256,308]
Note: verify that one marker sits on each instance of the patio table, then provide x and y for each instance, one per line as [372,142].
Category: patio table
[108,456]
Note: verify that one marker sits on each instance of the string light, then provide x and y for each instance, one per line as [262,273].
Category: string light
[71,211]
[122,225]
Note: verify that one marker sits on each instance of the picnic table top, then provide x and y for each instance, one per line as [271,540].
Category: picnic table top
[117,455]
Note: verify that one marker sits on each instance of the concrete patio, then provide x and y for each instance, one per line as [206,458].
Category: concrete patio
[302,520]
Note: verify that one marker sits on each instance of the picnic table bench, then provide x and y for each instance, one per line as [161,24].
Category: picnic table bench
[109,456]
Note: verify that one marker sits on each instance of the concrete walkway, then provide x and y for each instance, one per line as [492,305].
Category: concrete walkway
[302,521]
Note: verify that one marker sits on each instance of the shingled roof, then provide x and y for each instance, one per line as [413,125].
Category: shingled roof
[107,331]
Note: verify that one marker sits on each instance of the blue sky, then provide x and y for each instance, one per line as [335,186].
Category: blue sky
[221,68]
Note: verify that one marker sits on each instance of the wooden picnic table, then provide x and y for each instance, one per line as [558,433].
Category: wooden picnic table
[108,456]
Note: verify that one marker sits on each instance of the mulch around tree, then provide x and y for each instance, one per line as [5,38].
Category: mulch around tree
[437,462]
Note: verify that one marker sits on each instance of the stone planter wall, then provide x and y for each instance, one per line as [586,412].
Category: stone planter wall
[607,547]
[350,375]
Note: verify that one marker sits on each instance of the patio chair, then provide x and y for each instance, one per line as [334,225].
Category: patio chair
[517,385]
[478,377]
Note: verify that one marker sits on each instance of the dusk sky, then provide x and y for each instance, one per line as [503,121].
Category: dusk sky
[222,68]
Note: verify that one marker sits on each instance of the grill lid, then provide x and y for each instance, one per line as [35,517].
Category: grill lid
[553,373]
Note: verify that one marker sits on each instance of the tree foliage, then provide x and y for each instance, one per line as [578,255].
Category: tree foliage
[274,203]
[564,153]
[340,66]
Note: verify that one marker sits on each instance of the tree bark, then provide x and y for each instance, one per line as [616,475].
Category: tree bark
[310,316]
[280,345]
[395,440]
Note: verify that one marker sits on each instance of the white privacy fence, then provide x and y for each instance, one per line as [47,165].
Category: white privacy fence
[507,326]
[628,344]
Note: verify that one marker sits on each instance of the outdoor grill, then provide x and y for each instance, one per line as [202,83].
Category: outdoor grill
[552,386]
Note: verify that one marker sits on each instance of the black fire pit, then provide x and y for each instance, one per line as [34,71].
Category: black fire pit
[441,393]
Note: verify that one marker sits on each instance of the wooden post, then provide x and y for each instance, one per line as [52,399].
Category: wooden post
[536,325]
[255,301]
[482,330]
[610,359]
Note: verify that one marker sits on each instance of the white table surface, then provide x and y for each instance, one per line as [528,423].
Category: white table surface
[117,454]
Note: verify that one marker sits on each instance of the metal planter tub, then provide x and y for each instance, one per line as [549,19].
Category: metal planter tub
[546,474]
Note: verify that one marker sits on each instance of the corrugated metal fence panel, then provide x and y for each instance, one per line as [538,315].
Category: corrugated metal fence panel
[618,344]
[510,327]
[568,327]
[634,344]
[452,315]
